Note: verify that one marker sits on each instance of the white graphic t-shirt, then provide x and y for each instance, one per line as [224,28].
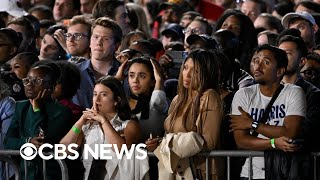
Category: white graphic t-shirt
[291,101]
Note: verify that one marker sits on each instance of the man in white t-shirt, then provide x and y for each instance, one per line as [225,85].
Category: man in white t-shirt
[287,113]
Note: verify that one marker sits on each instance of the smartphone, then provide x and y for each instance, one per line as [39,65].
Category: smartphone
[177,57]
[297,141]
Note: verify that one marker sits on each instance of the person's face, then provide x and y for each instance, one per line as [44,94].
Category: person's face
[301,8]
[232,24]
[311,72]
[188,74]
[293,56]
[63,9]
[87,6]
[316,1]
[81,46]
[103,99]
[307,32]
[102,43]
[25,40]
[49,48]
[33,88]
[262,39]
[121,17]
[19,67]
[166,40]
[140,80]
[260,22]
[264,67]
[57,92]
[195,27]
[170,16]
[5,51]
[250,9]
[185,21]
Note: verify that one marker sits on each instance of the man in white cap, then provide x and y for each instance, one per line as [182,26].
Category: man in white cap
[305,23]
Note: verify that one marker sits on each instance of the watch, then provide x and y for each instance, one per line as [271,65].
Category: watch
[254,126]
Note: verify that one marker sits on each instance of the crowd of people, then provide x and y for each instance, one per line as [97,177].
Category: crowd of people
[179,76]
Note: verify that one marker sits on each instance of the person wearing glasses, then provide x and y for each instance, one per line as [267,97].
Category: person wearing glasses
[198,26]
[76,42]
[311,69]
[297,51]
[104,42]
[40,113]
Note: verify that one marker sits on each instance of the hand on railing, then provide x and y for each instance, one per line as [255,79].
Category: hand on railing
[37,141]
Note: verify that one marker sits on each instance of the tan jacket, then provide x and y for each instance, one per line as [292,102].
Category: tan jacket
[174,152]
[207,125]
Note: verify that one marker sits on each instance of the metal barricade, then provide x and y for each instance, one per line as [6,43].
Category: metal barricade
[240,153]
[228,154]
[5,157]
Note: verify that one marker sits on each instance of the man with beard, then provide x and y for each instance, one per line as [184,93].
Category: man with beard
[296,50]
[283,122]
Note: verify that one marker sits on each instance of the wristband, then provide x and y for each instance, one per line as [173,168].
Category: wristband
[254,126]
[272,143]
[75,130]
[28,139]
[36,110]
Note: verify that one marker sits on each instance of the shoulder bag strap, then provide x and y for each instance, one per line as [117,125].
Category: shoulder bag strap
[268,109]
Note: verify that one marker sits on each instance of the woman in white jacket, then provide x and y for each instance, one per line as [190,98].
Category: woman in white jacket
[106,123]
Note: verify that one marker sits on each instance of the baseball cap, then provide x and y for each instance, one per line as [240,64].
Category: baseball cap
[304,15]
[175,29]
[12,7]
[209,41]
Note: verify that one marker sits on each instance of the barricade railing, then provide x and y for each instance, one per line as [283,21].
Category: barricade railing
[241,153]
[5,157]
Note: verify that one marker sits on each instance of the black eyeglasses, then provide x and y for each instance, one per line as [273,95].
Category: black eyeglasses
[191,31]
[34,81]
[75,36]
[310,73]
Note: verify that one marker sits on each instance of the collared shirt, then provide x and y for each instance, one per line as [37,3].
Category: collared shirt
[84,94]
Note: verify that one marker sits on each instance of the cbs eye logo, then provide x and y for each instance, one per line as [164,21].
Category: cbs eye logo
[28,151]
